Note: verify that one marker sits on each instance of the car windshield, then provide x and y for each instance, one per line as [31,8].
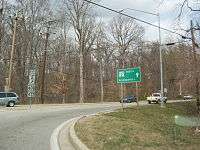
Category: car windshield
[129,97]
[2,95]
[11,95]
[156,94]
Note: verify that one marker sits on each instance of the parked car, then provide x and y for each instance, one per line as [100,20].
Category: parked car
[185,97]
[129,99]
[156,98]
[9,99]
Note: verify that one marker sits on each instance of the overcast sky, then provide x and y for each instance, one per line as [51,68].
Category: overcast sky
[168,9]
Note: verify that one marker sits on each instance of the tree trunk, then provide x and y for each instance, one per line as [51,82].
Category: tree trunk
[63,84]
[101,81]
[122,85]
[81,77]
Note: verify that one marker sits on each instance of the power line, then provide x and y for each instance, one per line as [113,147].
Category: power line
[140,20]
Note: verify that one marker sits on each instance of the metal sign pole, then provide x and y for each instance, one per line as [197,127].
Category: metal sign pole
[30,102]
[31,86]
[137,93]
[122,93]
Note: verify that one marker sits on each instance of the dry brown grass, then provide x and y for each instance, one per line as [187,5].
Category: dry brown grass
[146,128]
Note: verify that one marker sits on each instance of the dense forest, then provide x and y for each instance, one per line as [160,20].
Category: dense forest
[75,55]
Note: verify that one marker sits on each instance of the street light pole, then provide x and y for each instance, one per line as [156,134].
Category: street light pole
[161,64]
[195,67]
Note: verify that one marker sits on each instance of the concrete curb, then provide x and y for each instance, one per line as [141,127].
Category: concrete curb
[54,140]
[76,142]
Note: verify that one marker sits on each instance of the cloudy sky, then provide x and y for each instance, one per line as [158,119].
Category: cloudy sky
[168,9]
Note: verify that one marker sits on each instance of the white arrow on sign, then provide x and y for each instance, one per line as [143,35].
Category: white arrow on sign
[137,74]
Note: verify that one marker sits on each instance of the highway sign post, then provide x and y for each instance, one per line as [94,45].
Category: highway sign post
[129,75]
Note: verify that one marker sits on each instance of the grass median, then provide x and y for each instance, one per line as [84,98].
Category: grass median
[146,127]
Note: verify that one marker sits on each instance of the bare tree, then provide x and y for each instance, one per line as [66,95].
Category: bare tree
[79,16]
[125,32]
[100,48]
[1,21]
[186,4]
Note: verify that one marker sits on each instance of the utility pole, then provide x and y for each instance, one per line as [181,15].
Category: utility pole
[8,86]
[195,67]
[42,82]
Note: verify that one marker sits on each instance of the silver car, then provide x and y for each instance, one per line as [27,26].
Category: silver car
[9,99]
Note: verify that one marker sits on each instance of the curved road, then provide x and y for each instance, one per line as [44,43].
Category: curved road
[22,128]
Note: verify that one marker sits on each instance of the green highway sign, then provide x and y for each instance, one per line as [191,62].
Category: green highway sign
[129,75]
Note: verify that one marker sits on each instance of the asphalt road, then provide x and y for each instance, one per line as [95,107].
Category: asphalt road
[22,128]
[25,129]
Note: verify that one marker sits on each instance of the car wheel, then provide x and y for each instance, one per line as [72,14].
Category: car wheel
[11,104]
[149,102]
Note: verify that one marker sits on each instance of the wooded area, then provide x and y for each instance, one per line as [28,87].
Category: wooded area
[76,55]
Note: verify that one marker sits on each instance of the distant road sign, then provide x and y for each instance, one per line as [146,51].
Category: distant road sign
[31,83]
[165,90]
[129,75]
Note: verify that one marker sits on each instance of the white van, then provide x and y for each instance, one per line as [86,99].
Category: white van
[156,98]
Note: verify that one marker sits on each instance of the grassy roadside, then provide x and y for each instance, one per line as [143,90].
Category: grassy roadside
[148,127]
